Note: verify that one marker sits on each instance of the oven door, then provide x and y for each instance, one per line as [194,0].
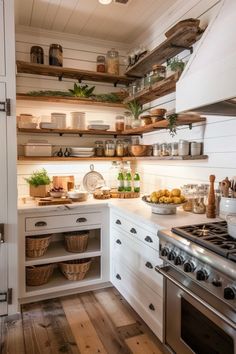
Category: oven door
[196,321]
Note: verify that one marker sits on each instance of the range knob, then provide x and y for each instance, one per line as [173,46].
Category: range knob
[179,260]
[189,267]
[165,251]
[202,275]
[229,293]
[172,255]
[217,283]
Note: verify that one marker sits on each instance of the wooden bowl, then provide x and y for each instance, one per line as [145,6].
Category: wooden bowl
[147,119]
[140,150]
[160,112]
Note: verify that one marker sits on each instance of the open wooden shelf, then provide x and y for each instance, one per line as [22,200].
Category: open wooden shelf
[157,90]
[69,131]
[69,159]
[169,158]
[70,73]
[183,39]
[67,100]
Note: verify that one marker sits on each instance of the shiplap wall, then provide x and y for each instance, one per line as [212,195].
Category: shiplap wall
[218,134]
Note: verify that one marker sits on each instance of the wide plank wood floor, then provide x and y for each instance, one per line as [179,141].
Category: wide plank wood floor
[89,323]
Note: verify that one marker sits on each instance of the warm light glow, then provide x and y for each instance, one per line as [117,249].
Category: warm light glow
[105,2]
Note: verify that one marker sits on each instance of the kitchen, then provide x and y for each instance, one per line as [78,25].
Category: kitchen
[106,274]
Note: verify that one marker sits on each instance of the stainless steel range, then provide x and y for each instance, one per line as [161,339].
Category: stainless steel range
[200,289]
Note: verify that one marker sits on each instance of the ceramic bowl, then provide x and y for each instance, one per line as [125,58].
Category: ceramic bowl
[231,223]
[140,150]
[56,194]
[227,206]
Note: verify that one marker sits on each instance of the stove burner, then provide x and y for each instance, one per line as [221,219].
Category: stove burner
[201,232]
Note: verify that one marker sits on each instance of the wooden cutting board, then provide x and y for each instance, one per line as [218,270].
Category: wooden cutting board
[53,201]
[63,181]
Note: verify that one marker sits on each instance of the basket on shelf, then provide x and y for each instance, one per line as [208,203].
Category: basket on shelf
[39,274]
[76,241]
[75,270]
[36,246]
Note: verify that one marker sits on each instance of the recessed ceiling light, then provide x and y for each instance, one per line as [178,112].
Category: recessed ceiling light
[105,2]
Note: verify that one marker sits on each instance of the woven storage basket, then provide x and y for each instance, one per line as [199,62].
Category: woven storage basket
[36,246]
[75,270]
[76,241]
[38,275]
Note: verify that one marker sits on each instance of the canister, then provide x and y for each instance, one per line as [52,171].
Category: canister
[183,148]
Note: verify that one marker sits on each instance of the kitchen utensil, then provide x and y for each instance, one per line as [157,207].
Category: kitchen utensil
[140,150]
[211,207]
[233,187]
[163,209]
[224,187]
[227,206]
[231,224]
[93,180]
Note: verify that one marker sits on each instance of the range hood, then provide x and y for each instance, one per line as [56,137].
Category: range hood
[208,83]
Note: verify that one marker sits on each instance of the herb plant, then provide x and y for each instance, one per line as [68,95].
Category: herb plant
[135,108]
[38,178]
[82,91]
[176,64]
[172,126]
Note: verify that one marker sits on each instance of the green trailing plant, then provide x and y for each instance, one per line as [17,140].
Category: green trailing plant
[38,178]
[50,93]
[172,124]
[176,64]
[135,108]
[82,91]
[108,97]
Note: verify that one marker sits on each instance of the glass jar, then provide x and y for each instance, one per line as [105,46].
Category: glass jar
[174,149]
[113,62]
[101,64]
[128,120]
[120,151]
[126,147]
[99,148]
[36,55]
[158,73]
[156,150]
[120,123]
[148,79]
[132,89]
[55,55]
[110,148]
[183,148]
[164,149]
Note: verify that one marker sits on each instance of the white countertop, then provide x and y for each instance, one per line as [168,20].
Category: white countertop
[132,207]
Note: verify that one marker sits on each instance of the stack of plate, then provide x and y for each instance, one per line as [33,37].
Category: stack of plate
[98,125]
[82,152]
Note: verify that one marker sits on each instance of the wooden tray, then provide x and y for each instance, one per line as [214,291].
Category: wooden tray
[53,201]
[124,195]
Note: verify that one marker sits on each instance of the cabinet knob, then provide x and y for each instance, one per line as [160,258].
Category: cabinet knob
[149,265]
[118,222]
[118,276]
[118,241]
[133,231]
[151,306]
[40,223]
[148,239]
[81,220]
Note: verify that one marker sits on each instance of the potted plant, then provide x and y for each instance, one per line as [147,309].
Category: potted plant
[136,109]
[172,123]
[174,65]
[39,183]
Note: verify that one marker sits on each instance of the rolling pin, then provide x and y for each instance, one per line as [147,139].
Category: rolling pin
[211,207]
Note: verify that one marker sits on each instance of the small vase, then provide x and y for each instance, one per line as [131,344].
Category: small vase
[136,123]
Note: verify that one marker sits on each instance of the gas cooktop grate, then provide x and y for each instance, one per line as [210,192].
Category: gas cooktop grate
[213,236]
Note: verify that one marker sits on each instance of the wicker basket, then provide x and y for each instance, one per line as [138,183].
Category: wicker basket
[76,241]
[36,246]
[38,275]
[75,270]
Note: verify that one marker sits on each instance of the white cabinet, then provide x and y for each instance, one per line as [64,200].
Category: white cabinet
[2,40]
[57,223]
[134,255]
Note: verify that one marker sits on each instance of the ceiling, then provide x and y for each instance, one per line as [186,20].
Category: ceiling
[114,22]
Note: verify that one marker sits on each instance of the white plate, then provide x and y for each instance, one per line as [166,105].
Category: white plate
[82,149]
[82,155]
[98,127]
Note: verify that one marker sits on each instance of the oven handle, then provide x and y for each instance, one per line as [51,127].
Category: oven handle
[163,271]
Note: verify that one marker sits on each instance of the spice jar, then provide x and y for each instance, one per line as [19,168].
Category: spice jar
[101,64]
[126,147]
[99,148]
[195,148]
[120,148]
[174,149]
[110,148]
[120,123]
[156,150]
[113,62]
[36,55]
[164,149]
[158,73]
[128,120]
[55,55]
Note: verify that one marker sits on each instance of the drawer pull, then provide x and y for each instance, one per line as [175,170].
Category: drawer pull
[118,222]
[149,265]
[148,239]
[118,276]
[118,241]
[151,306]
[133,231]
[81,220]
[40,224]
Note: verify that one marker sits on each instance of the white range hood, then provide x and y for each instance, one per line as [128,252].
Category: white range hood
[208,83]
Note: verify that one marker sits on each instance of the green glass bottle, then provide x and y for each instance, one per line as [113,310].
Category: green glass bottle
[120,182]
[128,181]
[136,182]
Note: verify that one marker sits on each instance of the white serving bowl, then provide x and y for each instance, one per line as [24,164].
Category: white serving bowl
[56,194]
[227,206]
[78,196]
[231,223]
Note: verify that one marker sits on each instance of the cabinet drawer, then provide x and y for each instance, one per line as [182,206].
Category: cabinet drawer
[62,221]
[143,299]
[143,234]
[140,259]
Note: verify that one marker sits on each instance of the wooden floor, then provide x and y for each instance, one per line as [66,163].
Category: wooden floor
[89,323]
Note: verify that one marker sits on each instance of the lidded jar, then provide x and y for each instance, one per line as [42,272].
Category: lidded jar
[113,62]
[158,73]
[101,64]
[120,123]
[36,55]
[99,148]
[110,148]
[55,55]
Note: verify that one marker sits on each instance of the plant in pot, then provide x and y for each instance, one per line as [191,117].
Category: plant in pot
[174,65]
[136,110]
[172,123]
[39,183]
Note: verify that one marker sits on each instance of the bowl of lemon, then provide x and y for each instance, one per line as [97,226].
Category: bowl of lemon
[164,201]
